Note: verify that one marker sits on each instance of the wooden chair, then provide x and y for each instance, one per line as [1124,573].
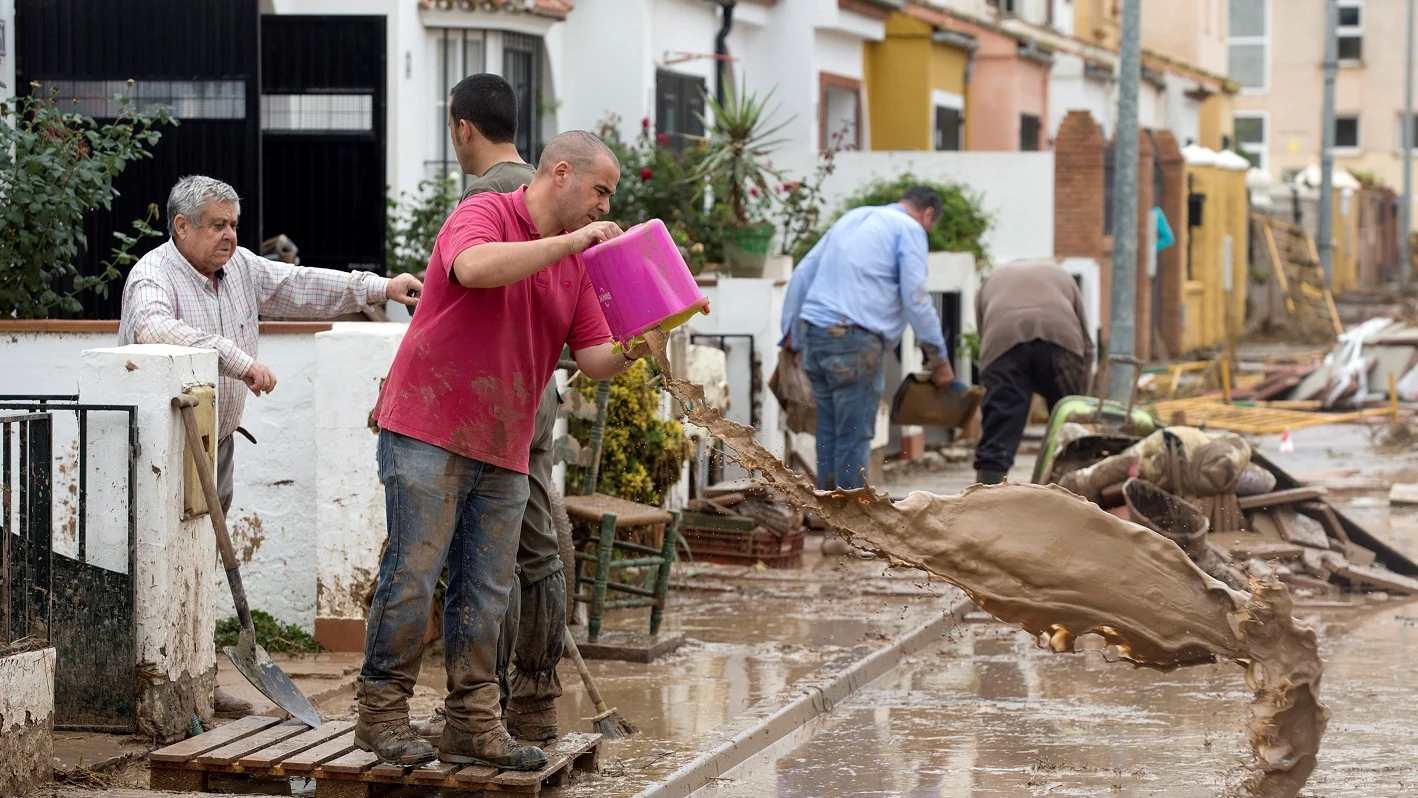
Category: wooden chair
[611,513]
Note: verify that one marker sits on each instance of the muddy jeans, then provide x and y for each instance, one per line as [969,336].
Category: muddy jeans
[1010,383]
[846,368]
[533,630]
[441,507]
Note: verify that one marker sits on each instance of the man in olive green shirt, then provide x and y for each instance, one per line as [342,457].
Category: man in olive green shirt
[482,121]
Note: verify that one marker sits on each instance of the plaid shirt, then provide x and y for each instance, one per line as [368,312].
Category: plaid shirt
[167,301]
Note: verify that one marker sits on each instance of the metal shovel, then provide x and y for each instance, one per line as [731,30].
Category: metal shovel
[250,659]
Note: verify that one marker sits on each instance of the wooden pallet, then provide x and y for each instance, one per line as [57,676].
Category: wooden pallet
[262,746]
[1254,420]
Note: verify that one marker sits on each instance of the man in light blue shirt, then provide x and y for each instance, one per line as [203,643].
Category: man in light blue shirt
[847,305]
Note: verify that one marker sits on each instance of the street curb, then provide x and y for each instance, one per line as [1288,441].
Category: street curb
[816,700]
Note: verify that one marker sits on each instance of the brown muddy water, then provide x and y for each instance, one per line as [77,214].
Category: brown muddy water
[990,715]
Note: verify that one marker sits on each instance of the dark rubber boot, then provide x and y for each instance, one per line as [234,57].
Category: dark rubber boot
[494,748]
[393,741]
[989,477]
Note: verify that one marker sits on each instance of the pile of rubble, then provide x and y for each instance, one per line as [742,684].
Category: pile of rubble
[1236,514]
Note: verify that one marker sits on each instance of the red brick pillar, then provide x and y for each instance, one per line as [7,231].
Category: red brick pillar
[1079,150]
[1171,268]
[1078,187]
[1142,341]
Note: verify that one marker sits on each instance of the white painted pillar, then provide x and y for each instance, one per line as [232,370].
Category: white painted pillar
[26,721]
[176,559]
[351,361]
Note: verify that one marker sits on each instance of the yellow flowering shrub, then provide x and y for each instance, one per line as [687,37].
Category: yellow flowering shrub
[641,454]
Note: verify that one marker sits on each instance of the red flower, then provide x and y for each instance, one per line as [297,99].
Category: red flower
[662,139]
[645,123]
[646,173]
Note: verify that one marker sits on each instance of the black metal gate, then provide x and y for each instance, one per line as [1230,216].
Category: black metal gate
[197,56]
[323,120]
[83,609]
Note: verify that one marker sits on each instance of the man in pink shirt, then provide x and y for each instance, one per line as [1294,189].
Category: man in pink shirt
[505,291]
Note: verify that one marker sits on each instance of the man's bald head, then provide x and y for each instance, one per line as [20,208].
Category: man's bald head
[578,148]
[576,178]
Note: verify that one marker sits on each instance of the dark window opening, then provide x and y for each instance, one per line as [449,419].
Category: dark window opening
[948,129]
[679,107]
[1028,133]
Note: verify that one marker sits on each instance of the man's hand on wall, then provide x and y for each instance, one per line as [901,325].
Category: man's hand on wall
[404,289]
[259,379]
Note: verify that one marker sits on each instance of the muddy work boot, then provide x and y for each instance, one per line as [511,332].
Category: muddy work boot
[394,742]
[494,748]
[989,477]
[532,726]
[226,705]
[432,728]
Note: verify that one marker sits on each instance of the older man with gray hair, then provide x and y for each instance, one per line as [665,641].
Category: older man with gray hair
[200,289]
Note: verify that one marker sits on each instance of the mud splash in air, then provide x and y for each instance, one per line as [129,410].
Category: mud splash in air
[1060,567]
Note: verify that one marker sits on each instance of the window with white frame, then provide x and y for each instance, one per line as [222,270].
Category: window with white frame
[1249,43]
[1347,132]
[948,121]
[1350,31]
[1251,137]
[456,53]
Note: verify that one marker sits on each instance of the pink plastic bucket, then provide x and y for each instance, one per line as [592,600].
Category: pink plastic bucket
[642,282]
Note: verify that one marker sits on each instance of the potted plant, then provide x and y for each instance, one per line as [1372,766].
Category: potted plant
[738,172]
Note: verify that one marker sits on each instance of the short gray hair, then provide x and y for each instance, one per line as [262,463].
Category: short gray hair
[191,195]
[579,148]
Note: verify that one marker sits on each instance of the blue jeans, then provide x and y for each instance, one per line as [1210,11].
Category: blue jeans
[440,507]
[847,370]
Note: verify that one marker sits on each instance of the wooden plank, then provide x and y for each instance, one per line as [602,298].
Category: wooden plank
[533,778]
[1280,497]
[308,759]
[1403,493]
[1296,528]
[212,740]
[353,763]
[231,752]
[1358,555]
[1387,580]
[435,772]
[1267,551]
[384,770]
[476,774]
[268,757]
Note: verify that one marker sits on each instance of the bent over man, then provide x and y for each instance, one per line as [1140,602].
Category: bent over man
[1033,339]
[847,305]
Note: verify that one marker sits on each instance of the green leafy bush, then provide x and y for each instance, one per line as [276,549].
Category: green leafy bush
[56,166]
[641,454]
[962,226]
[412,224]
[271,635]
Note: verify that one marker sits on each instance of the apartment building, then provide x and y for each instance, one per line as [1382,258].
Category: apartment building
[1277,57]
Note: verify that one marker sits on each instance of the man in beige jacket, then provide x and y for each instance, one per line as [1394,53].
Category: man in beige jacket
[1034,338]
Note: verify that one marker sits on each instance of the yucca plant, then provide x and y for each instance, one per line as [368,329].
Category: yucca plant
[741,136]
[737,171]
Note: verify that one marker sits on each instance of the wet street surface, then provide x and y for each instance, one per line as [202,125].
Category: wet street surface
[980,711]
[987,714]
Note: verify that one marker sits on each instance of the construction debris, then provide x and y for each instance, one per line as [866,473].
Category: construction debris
[1233,512]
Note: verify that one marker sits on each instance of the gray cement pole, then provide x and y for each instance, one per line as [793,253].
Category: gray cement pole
[1123,324]
[1406,214]
[1326,220]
